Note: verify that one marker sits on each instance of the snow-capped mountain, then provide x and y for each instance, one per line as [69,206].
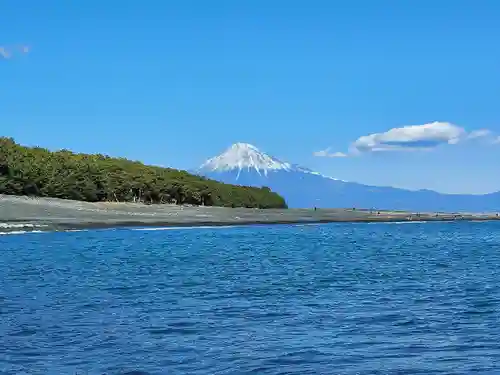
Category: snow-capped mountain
[246,157]
[242,156]
[245,164]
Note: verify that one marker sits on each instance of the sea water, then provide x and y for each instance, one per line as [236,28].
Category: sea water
[420,298]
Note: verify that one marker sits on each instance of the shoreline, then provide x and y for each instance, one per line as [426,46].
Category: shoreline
[160,224]
[61,215]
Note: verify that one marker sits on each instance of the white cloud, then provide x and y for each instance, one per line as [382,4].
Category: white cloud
[327,154]
[412,138]
[481,133]
[338,155]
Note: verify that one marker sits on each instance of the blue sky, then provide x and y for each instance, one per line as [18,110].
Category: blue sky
[174,83]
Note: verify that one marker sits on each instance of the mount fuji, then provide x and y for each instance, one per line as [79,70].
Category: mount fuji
[244,164]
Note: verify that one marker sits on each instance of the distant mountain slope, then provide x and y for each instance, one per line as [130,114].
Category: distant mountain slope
[245,164]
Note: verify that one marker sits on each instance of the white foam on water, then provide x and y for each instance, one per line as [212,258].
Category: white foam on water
[22,232]
[405,222]
[20,225]
[185,228]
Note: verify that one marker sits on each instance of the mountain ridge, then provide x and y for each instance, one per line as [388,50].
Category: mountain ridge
[241,155]
[305,188]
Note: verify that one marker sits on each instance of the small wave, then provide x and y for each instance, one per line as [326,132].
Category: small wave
[22,232]
[20,225]
[185,228]
[402,222]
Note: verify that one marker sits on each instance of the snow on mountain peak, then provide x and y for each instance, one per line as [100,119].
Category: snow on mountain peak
[245,156]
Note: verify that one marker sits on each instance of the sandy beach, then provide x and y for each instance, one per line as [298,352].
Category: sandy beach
[55,214]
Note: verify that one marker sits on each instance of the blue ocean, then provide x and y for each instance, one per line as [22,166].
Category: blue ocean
[408,298]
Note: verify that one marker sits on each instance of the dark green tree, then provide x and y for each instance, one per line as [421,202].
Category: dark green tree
[63,174]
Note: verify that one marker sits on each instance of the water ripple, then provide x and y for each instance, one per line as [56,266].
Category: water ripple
[322,299]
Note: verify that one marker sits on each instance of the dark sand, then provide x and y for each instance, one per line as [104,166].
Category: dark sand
[23,213]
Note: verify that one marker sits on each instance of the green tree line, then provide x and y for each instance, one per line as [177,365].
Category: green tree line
[35,171]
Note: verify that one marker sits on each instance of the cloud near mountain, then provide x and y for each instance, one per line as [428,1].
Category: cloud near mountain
[409,138]
[327,153]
